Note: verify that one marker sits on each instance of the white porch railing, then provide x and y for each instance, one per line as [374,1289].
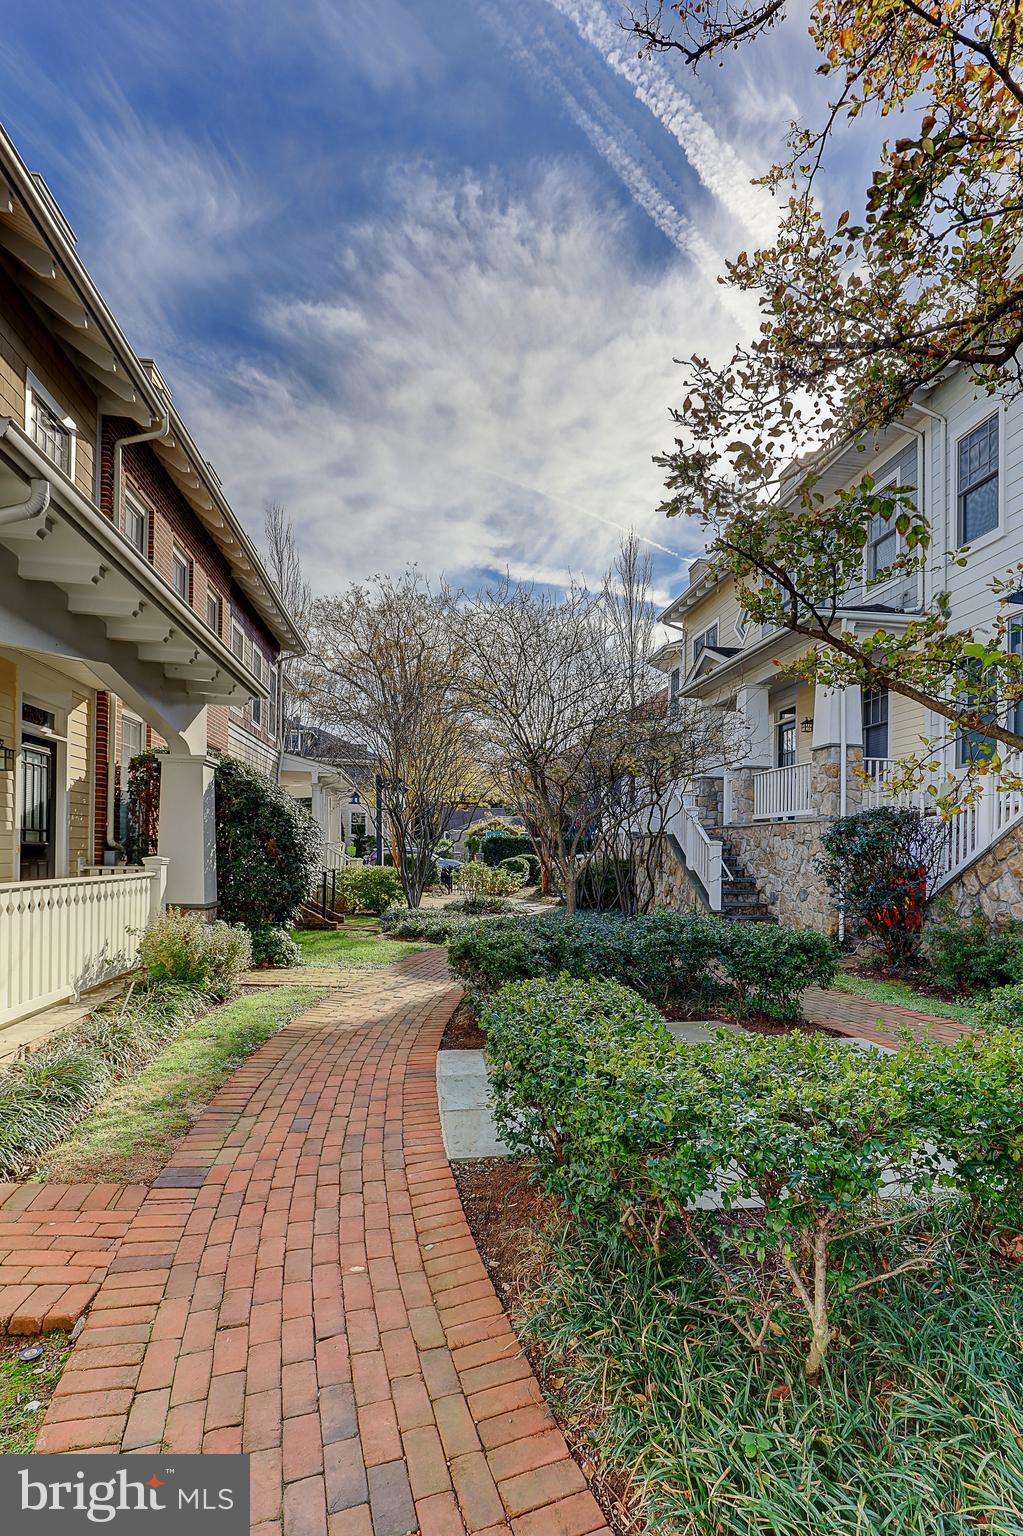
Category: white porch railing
[60,937]
[876,790]
[702,853]
[782,793]
[335,856]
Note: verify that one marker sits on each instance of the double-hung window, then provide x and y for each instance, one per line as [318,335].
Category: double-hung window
[181,576]
[705,641]
[214,610]
[50,427]
[238,641]
[977,481]
[257,702]
[875,722]
[136,526]
[975,694]
[882,542]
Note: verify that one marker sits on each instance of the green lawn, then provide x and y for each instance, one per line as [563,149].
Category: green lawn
[901,993]
[131,1133]
[349,950]
[22,1385]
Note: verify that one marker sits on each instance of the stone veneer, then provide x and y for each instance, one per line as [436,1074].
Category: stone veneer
[779,856]
[992,884]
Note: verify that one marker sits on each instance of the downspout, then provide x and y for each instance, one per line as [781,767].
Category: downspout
[31,511]
[151,434]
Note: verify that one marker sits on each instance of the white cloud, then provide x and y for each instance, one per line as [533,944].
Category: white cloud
[485,388]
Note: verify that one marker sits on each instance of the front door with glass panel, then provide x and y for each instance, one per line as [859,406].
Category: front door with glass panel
[38,779]
[785,745]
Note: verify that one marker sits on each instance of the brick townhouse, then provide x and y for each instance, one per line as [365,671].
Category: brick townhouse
[134,611]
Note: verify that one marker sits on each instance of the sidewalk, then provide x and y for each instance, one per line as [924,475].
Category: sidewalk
[301,1284]
[877,1021]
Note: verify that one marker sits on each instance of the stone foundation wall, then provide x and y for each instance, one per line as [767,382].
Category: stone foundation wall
[674,888]
[993,884]
[779,856]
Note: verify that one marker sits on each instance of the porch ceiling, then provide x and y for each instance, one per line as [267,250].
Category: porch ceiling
[71,546]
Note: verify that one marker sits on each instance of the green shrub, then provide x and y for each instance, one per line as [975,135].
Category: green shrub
[676,958]
[476,879]
[182,947]
[878,866]
[972,956]
[498,846]
[1002,1008]
[767,967]
[603,883]
[268,848]
[524,867]
[663,1142]
[275,947]
[45,1093]
[436,927]
[480,906]
[366,888]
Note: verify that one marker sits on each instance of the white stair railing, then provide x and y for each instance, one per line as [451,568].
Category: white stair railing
[703,854]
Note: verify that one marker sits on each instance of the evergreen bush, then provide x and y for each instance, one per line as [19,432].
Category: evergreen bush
[268,848]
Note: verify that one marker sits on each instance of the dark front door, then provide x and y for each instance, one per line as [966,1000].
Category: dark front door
[38,764]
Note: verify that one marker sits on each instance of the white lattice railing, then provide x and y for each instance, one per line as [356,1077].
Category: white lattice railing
[781,793]
[60,937]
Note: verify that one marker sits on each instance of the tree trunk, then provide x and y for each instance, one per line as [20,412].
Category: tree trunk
[568,875]
[820,1326]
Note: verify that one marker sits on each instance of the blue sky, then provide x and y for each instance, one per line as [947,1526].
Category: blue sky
[417,270]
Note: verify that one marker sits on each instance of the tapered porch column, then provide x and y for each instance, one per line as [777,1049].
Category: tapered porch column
[188,836]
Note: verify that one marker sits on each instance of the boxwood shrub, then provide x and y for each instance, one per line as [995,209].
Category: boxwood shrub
[671,958]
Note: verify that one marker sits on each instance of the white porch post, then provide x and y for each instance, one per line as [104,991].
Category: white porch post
[188,830]
[158,890]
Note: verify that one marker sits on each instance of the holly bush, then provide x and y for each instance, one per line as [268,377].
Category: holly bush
[768,1156]
[366,888]
[879,866]
[268,848]
[766,966]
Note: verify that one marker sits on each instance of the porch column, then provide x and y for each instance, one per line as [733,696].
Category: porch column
[829,772]
[753,706]
[188,835]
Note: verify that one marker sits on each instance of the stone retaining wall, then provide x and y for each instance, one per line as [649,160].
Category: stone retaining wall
[993,884]
[779,856]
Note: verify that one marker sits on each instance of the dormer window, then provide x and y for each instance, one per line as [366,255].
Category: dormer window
[49,425]
[706,641]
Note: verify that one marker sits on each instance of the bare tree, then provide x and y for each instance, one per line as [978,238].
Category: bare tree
[384,670]
[632,616]
[285,566]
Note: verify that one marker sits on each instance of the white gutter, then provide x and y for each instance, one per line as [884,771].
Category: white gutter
[843,785]
[150,435]
[31,511]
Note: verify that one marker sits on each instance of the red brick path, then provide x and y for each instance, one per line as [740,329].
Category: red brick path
[877,1021]
[301,1284]
[57,1242]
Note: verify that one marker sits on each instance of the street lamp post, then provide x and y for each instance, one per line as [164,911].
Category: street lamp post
[380,820]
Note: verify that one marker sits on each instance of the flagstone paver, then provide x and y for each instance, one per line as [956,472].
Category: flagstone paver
[301,1284]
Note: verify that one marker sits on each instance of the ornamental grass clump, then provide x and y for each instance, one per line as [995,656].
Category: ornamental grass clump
[797,1169]
[183,947]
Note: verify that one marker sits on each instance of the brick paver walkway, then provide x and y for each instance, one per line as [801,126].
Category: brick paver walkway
[57,1242]
[301,1284]
[877,1021]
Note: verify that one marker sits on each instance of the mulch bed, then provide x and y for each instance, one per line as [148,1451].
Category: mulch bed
[463,1032]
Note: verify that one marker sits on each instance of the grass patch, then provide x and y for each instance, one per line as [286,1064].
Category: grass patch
[21,1385]
[132,1131]
[349,951]
[917,1427]
[903,995]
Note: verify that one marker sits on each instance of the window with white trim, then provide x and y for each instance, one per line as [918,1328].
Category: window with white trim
[705,641]
[214,610]
[49,425]
[977,480]
[875,722]
[181,575]
[271,708]
[256,705]
[882,542]
[238,641]
[136,526]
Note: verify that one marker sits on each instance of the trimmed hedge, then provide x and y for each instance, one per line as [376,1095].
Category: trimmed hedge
[667,1143]
[505,845]
[366,888]
[669,958]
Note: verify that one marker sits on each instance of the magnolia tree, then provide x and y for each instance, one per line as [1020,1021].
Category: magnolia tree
[574,730]
[861,314]
[385,669]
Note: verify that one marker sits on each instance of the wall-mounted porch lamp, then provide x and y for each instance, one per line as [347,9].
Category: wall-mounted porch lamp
[806,725]
[6,758]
